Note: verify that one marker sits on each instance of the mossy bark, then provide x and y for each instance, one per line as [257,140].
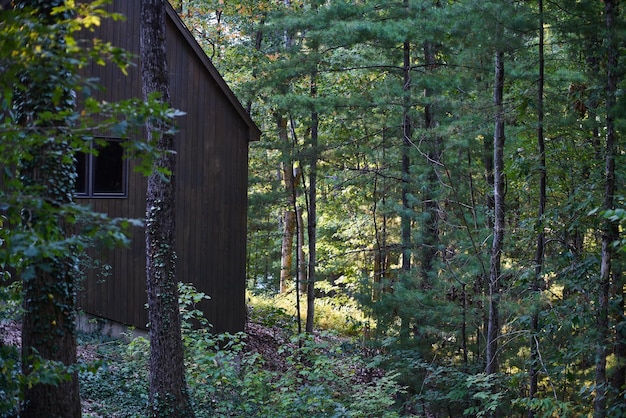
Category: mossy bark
[47,174]
[168,392]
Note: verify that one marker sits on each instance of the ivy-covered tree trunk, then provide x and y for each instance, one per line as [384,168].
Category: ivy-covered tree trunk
[493,322]
[49,289]
[48,173]
[168,392]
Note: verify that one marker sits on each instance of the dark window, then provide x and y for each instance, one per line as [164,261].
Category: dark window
[102,174]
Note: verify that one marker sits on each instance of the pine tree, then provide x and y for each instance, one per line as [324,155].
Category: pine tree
[545,268]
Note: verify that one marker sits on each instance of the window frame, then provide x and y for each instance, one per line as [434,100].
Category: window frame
[89,173]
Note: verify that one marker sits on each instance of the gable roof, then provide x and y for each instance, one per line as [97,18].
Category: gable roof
[253,129]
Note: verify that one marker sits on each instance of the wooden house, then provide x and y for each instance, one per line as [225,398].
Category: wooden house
[211,200]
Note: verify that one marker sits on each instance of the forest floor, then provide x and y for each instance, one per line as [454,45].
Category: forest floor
[264,340]
[261,339]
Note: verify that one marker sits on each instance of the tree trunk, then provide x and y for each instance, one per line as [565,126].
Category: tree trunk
[49,319]
[312,215]
[168,392]
[430,205]
[380,250]
[539,253]
[405,221]
[302,264]
[289,216]
[609,231]
[48,283]
[493,323]
[482,279]
[405,218]
[286,258]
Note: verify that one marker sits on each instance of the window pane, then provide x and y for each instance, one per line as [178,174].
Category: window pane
[108,169]
[81,173]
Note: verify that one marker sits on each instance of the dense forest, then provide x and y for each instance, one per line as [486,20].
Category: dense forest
[443,177]
[455,167]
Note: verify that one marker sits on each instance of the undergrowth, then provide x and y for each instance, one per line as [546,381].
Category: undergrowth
[320,375]
[341,315]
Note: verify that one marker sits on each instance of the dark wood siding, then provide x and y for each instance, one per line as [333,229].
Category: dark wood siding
[212,147]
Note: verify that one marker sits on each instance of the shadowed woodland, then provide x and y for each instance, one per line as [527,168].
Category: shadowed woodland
[435,213]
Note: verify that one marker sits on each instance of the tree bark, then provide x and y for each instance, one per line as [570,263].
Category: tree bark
[168,392]
[48,283]
[493,323]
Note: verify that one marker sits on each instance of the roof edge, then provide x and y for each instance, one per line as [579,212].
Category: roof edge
[254,131]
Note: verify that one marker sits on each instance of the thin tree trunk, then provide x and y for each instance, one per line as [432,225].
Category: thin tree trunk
[286,259]
[405,218]
[302,264]
[49,289]
[168,392]
[482,280]
[430,205]
[299,287]
[539,254]
[289,216]
[380,250]
[609,232]
[381,256]
[312,215]
[405,221]
[464,326]
[493,323]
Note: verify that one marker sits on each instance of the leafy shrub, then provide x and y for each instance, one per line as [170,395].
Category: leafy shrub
[10,298]
[317,382]
[318,378]
[9,380]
